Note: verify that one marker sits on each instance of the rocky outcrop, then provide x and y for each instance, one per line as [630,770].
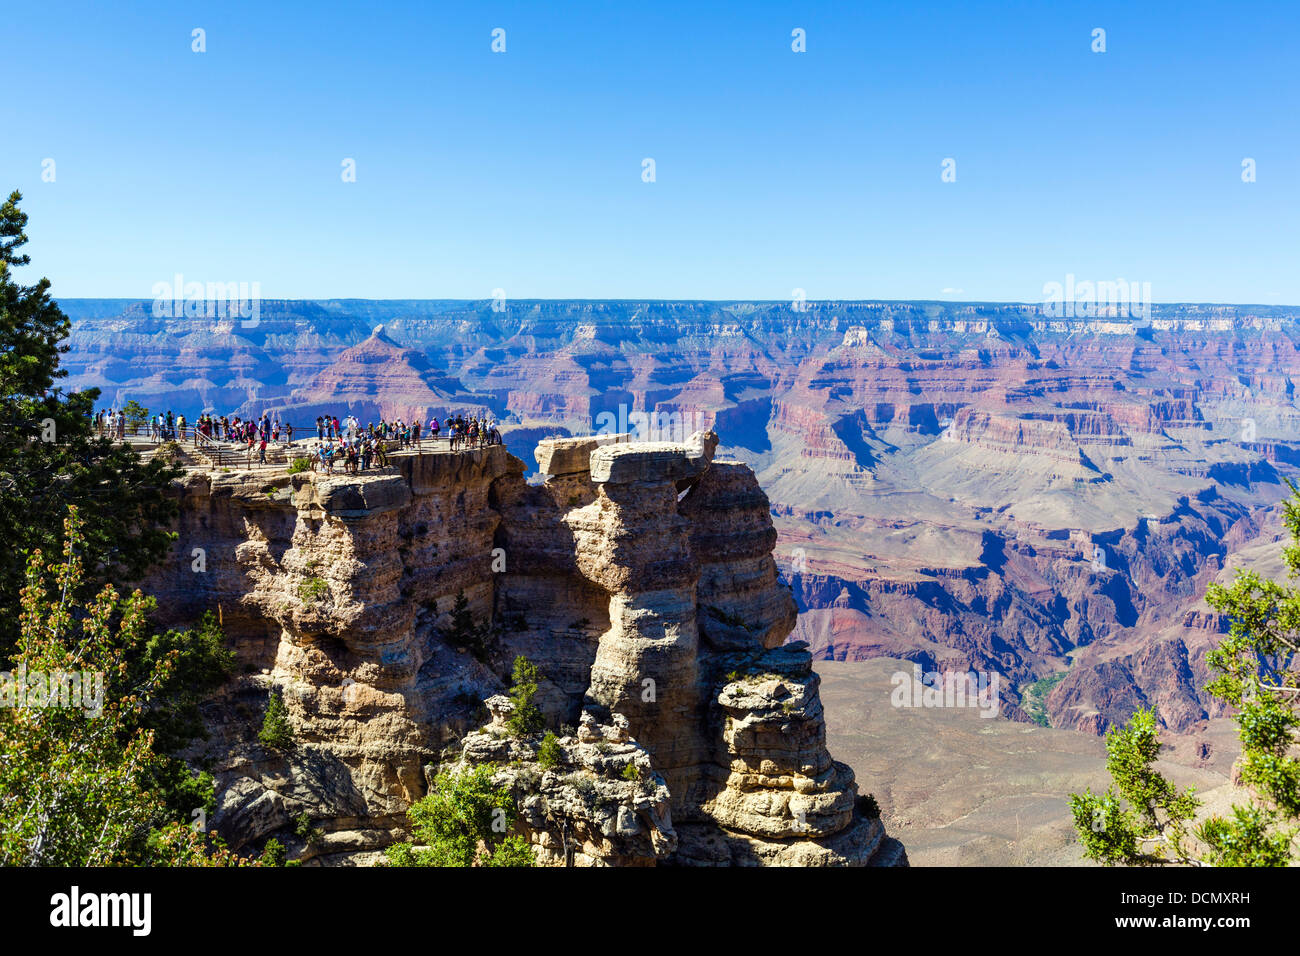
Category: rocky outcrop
[938,470]
[638,577]
[599,803]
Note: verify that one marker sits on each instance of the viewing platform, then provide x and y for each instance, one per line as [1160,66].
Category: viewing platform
[208,454]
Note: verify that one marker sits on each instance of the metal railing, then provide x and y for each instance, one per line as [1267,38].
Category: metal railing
[222,453]
[209,447]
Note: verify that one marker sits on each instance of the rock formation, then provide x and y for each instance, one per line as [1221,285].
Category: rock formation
[941,473]
[638,577]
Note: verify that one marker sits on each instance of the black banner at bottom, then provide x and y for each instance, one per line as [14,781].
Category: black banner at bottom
[336,906]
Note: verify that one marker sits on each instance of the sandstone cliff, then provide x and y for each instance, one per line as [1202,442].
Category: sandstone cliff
[639,577]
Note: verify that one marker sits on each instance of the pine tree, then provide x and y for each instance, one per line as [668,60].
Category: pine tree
[1142,818]
[526,719]
[276,730]
[463,632]
[135,417]
[49,457]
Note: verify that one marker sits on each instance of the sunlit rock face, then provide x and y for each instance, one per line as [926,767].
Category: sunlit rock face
[637,576]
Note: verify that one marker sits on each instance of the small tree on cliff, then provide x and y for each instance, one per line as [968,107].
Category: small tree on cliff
[463,821]
[1143,818]
[526,718]
[276,730]
[463,632]
[550,754]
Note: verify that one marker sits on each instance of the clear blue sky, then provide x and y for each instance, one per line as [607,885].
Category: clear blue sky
[775,170]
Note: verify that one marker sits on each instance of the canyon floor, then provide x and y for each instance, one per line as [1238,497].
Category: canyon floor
[964,790]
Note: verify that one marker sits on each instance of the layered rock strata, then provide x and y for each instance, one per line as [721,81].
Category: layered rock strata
[638,577]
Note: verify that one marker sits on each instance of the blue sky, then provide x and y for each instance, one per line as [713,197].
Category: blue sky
[774,170]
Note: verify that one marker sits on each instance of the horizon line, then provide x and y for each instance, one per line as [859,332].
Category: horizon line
[644,299]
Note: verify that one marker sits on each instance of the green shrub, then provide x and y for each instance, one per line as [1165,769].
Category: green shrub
[305,831]
[170,452]
[527,719]
[312,589]
[550,754]
[92,788]
[299,465]
[514,850]
[463,822]
[136,415]
[868,807]
[276,731]
[631,772]
[274,853]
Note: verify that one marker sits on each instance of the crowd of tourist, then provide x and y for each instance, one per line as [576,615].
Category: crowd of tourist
[355,448]
[347,443]
[111,424]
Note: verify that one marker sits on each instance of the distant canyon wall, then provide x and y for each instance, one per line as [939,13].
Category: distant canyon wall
[940,474]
